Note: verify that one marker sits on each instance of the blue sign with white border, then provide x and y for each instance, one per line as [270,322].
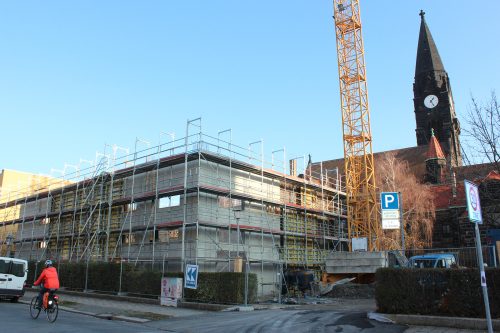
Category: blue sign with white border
[191,277]
[389,200]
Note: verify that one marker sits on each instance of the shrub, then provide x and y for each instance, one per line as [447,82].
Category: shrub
[449,292]
[220,287]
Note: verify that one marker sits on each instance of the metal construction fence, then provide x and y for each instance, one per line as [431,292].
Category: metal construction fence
[144,279]
[465,256]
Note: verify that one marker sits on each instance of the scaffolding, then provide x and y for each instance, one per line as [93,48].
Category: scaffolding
[198,199]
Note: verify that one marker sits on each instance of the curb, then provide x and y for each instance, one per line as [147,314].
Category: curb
[100,315]
[451,322]
[203,306]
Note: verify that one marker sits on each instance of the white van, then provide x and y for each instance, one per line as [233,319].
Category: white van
[13,274]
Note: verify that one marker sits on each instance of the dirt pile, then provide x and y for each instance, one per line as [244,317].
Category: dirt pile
[353,290]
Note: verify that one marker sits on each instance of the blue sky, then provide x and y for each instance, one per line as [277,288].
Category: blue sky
[75,75]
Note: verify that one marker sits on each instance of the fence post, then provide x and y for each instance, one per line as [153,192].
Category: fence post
[86,276]
[493,249]
[36,271]
[120,278]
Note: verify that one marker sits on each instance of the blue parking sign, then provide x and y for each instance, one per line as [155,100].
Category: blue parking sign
[389,200]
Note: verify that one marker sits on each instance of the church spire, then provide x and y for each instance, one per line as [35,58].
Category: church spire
[434,151]
[435,164]
[433,101]
[428,58]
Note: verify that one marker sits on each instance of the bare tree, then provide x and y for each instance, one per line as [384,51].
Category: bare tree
[394,175]
[482,145]
[482,133]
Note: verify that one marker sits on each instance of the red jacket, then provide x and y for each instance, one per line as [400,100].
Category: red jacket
[49,278]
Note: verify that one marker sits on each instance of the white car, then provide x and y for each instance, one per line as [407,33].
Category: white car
[13,274]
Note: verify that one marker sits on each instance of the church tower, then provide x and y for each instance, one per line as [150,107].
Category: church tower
[433,100]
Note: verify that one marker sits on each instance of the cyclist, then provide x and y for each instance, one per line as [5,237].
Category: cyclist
[48,280]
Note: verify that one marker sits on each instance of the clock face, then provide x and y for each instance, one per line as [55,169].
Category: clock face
[431,101]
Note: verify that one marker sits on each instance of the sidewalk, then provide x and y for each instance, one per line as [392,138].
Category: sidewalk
[113,309]
[421,323]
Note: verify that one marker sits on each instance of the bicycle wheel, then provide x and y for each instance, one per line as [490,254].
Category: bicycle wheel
[52,312]
[34,312]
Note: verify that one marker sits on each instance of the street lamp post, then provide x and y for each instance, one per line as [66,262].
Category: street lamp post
[247,268]
[237,216]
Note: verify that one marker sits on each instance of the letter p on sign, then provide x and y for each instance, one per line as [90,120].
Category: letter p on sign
[389,200]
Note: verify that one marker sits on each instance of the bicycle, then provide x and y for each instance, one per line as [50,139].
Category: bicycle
[49,305]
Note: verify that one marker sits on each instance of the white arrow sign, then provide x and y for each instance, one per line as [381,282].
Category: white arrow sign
[191,277]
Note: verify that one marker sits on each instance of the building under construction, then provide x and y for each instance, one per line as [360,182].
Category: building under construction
[197,200]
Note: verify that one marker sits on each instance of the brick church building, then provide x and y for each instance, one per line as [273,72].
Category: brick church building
[437,157]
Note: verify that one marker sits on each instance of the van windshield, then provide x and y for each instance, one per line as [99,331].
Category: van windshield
[423,263]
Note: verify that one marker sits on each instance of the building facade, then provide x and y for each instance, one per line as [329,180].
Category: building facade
[14,187]
[193,202]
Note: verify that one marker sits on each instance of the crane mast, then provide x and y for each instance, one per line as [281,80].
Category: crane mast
[362,218]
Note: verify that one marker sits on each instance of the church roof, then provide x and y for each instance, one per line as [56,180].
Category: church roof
[443,193]
[435,150]
[428,58]
[493,175]
[414,156]
[444,198]
[476,172]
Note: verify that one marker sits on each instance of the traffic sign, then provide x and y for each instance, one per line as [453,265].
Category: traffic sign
[390,224]
[191,277]
[473,204]
[390,215]
[389,200]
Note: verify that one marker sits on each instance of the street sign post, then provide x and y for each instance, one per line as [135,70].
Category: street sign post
[475,216]
[392,213]
[191,277]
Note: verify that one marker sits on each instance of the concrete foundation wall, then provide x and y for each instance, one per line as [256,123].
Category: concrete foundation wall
[355,262]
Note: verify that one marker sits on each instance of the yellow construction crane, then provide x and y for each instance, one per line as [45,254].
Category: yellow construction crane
[362,215]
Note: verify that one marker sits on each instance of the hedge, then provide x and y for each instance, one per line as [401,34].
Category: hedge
[446,292]
[219,287]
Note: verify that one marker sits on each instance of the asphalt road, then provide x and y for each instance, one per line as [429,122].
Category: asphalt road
[279,321]
[15,318]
